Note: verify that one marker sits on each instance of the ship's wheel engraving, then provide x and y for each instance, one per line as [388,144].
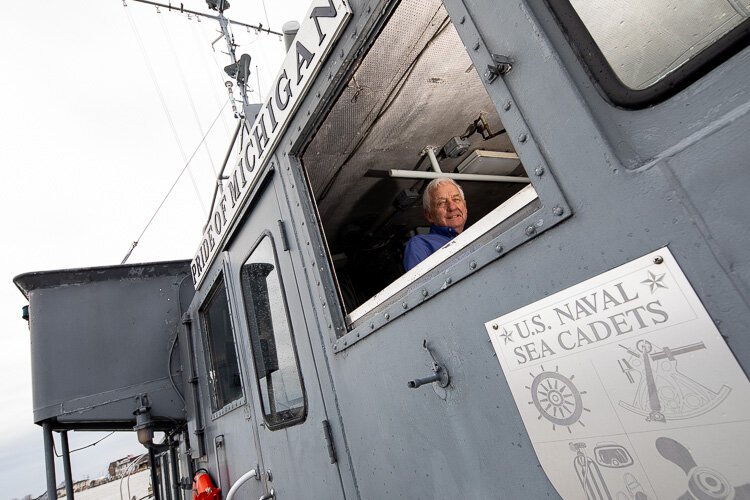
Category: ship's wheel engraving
[556,398]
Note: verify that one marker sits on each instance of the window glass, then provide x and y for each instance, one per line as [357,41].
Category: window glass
[279,381]
[645,40]
[223,369]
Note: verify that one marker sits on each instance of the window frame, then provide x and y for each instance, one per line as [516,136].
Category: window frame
[301,418]
[500,240]
[218,281]
[611,87]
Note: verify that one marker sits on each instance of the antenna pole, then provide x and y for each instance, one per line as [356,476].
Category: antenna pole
[183,10]
[224,23]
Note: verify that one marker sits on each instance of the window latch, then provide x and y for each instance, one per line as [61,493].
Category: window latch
[500,65]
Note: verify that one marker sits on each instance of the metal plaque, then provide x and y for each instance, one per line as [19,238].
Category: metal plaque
[627,389]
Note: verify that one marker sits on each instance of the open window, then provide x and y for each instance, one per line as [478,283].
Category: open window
[414,109]
[221,354]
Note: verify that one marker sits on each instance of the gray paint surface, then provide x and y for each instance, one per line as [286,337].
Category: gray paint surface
[634,181]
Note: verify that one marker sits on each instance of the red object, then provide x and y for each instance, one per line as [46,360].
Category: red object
[203,487]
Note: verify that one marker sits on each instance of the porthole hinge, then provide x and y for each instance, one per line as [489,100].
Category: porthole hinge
[329,441]
[284,238]
[500,65]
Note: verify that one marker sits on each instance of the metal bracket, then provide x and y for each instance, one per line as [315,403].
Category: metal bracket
[502,65]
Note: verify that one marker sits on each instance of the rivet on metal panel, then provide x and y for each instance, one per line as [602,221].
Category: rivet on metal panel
[404,305]
[494,326]
[330,326]
[539,171]
[658,259]
[317,95]
[341,54]
[522,138]
[473,265]
[357,335]
[307,243]
[372,326]
[424,293]
[462,20]
[498,248]
[448,281]
[530,230]
[299,128]
[324,304]
[476,45]
[368,9]
[507,105]
[558,211]
[346,343]
[330,75]
[387,316]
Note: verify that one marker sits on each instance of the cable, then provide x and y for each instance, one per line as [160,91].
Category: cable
[163,103]
[187,164]
[54,448]
[176,59]
[266,12]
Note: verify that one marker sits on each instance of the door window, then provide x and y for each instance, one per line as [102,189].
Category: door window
[280,385]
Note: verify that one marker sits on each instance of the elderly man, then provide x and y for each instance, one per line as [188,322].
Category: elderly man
[445,209]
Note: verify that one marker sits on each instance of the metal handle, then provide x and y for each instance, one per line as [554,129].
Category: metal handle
[242,480]
[441,375]
[271,494]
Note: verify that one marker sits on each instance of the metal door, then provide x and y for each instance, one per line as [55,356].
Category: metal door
[291,419]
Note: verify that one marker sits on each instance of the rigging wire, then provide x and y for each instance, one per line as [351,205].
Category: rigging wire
[163,101]
[187,164]
[189,94]
[208,75]
[266,12]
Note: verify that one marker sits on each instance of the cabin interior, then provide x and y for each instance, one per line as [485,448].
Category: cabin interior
[416,89]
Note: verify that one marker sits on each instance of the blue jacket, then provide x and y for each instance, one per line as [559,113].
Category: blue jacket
[421,246]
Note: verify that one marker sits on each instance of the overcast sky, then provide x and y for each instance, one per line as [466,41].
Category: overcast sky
[100,106]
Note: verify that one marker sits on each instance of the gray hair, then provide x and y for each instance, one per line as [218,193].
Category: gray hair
[432,186]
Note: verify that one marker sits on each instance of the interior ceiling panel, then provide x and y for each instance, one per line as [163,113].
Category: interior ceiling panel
[415,88]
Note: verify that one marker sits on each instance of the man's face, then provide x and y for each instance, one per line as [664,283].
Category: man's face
[448,208]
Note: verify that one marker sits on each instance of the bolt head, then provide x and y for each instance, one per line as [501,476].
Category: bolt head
[530,230]
[498,248]
[658,259]
[539,171]
[506,106]
[557,211]
[522,138]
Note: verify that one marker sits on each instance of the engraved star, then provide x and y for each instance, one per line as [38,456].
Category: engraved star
[507,336]
[654,281]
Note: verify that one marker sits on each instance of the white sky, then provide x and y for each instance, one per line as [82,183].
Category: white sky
[86,155]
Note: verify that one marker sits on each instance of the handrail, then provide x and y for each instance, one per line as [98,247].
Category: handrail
[242,480]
